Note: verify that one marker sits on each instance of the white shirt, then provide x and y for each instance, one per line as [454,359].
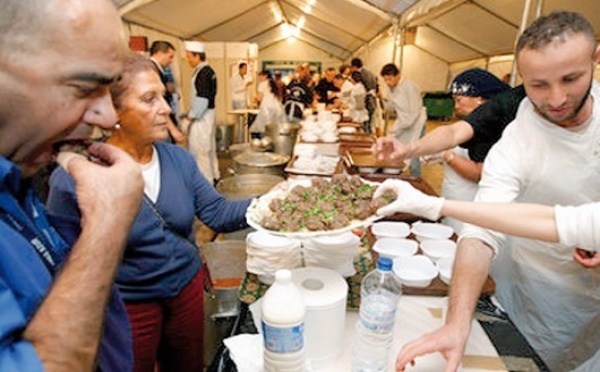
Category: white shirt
[151,176]
[456,187]
[553,301]
[238,88]
[345,92]
[405,99]
[358,109]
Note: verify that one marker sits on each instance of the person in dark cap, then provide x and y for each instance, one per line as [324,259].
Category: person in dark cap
[477,83]
[470,89]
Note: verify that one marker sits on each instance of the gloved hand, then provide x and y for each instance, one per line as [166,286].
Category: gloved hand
[432,159]
[409,200]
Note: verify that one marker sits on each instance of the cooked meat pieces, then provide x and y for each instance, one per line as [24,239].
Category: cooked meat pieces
[314,223]
[362,210]
[338,179]
[325,205]
[275,205]
[272,222]
[337,222]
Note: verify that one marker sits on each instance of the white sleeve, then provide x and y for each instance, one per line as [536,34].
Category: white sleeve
[500,182]
[579,226]
[407,104]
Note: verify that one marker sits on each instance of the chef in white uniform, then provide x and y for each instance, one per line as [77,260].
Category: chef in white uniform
[200,121]
[549,155]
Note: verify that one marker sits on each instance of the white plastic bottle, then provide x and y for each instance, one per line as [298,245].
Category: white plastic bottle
[283,312]
[380,291]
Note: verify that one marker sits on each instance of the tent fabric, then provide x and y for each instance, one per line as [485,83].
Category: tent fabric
[451,30]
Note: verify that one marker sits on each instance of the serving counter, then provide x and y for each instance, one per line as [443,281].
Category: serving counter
[493,342]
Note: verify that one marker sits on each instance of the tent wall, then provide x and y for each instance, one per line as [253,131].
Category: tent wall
[297,51]
[427,71]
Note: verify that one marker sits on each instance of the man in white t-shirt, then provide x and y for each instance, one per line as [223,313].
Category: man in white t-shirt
[239,85]
[548,155]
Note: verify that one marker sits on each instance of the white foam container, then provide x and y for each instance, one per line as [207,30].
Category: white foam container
[428,230]
[415,271]
[437,249]
[395,247]
[325,293]
[390,229]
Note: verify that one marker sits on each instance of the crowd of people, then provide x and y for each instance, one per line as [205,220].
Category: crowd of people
[107,276]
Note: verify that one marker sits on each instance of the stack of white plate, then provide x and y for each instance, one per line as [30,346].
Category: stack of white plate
[335,252]
[267,253]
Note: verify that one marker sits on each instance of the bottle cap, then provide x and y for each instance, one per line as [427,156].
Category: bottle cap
[384,264]
[283,276]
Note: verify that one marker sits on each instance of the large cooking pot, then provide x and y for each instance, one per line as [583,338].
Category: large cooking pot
[260,163]
[283,136]
[245,186]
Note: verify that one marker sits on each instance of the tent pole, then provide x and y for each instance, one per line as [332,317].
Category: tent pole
[540,7]
[402,44]
[526,7]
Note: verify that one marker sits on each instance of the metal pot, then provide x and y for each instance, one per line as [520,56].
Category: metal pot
[283,136]
[238,148]
[260,163]
[247,185]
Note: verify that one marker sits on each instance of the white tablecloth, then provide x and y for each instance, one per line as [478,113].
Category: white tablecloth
[416,315]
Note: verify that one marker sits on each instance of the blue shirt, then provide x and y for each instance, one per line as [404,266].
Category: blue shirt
[25,280]
[159,262]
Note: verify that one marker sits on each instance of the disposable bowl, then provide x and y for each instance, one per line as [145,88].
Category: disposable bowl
[437,249]
[390,229]
[415,271]
[428,230]
[395,247]
[444,266]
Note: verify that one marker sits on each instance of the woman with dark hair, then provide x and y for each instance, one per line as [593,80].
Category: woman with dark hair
[161,278]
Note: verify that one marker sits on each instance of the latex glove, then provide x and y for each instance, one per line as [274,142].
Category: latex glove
[409,200]
[432,159]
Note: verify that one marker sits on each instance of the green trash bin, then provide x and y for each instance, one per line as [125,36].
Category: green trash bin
[439,105]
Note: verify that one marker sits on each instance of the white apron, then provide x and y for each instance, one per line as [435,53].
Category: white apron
[202,143]
[456,187]
[552,300]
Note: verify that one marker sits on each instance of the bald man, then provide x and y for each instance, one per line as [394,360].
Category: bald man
[56,278]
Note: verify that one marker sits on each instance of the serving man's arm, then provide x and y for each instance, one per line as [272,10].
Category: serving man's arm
[471,268]
[66,328]
[440,139]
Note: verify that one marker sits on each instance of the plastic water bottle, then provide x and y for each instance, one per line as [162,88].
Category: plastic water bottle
[379,295]
[283,311]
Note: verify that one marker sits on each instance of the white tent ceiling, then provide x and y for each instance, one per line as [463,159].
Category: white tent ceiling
[450,30]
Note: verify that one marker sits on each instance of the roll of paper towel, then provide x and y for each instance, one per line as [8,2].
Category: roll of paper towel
[324,292]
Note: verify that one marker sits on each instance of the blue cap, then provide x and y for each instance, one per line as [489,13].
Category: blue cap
[384,264]
[476,82]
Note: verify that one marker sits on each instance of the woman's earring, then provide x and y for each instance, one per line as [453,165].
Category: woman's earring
[117,126]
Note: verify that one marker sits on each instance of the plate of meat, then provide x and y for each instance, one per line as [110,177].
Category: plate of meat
[306,208]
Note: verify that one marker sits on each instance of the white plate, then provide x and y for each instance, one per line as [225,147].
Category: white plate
[260,208]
